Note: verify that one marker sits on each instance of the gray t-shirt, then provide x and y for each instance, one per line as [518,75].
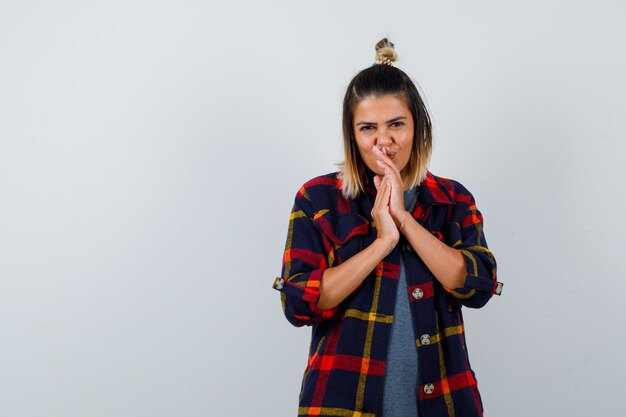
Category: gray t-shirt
[400,386]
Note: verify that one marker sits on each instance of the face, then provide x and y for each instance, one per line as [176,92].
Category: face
[385,122]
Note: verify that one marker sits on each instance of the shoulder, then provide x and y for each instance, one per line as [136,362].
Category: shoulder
[321,192]
[326,182]
[443,188]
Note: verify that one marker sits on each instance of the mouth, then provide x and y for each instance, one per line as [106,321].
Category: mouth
[389,154]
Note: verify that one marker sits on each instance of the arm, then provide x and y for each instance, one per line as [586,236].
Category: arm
[465,233]
[467,270]
[473,281]
[446,263]
[304,261]
[339,281]
[311,291]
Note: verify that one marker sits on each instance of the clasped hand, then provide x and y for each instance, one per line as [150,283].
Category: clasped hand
[388,211]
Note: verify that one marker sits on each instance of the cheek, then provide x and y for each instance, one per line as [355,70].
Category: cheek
[408,144]
[364,148]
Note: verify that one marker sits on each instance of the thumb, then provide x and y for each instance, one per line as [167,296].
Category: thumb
[376,182]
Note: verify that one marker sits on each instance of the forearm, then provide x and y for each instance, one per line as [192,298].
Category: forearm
[340,281]
[446,263]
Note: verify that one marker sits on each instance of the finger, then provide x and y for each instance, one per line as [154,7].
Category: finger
[384,165]
[395,179]
[382,190]
[386,193]
[379,190]
[384,158]
[383,184]
[394,176]
[377,182]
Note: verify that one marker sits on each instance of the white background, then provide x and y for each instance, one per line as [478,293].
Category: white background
[149,156]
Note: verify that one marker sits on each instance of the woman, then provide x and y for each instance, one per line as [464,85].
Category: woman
[379,259]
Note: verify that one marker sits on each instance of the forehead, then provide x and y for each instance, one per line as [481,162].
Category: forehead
[381,108]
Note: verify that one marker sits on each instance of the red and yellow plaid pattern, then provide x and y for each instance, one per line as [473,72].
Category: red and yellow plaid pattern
[347,357]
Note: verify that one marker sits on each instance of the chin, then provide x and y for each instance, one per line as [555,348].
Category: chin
[379,171]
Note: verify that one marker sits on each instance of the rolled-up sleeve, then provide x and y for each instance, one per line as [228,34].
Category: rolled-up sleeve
[305,258]
[467,235]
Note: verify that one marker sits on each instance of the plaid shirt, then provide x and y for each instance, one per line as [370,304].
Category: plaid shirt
[348,351]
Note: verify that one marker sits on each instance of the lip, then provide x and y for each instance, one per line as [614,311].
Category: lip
[389,154]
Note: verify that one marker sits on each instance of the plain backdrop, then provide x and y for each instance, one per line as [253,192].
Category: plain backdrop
[150,152]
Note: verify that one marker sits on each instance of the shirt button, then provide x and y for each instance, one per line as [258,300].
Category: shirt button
[425,339]
[417,293]
[279,283]
[429,389]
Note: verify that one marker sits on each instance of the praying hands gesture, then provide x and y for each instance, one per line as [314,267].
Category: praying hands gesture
[395,200]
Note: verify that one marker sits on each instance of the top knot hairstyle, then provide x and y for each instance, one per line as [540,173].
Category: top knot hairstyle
[385,52]
[378,80]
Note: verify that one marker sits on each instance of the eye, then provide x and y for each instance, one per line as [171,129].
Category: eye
[366,128]
[397,124]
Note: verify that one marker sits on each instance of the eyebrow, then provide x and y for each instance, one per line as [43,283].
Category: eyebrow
[395,119]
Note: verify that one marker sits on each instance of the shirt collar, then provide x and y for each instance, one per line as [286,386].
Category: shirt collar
[431,190]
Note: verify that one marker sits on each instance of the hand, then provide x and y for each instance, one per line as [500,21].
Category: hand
[396,201]
[385,225]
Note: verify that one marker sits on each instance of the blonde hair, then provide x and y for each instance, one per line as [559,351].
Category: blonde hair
[381,79]
[385,52]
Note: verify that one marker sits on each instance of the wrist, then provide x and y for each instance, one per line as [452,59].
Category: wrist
[402,220]
[385,245]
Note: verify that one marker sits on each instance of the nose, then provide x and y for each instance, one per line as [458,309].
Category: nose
[384,137]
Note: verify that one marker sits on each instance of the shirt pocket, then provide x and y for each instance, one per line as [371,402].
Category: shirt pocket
[348,233]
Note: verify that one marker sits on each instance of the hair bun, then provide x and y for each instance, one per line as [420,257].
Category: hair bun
[385,52]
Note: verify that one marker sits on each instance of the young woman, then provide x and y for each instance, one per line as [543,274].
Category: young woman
[379,259]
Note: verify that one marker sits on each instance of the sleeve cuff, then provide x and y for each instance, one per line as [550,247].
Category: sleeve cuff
[483,284]
[478,277]
[309,294]
[308,290]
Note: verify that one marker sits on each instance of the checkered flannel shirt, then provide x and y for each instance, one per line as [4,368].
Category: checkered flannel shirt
[347,356]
